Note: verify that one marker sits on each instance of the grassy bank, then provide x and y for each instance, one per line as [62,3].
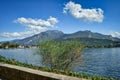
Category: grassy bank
[65,72]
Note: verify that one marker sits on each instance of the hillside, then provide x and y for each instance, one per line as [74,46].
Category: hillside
[92,42]
[86,37]
[89,34]
[38,38]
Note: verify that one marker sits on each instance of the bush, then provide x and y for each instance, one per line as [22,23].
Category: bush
[60,54]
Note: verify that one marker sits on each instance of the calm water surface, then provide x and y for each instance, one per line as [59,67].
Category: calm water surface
[102,61]
[28,56]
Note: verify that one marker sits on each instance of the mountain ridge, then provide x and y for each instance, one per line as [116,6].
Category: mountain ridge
[56,34]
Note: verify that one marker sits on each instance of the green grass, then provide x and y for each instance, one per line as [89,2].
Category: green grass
[65,72]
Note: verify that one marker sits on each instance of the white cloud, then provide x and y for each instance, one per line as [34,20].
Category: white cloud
[8,35]
[34,26]
[76,10]
[115,34]
[50,22]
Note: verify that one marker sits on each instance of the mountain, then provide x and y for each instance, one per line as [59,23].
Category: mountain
[55,34]
[89,34]
[41,37]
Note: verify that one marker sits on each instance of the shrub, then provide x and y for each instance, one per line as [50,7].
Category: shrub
[60,54]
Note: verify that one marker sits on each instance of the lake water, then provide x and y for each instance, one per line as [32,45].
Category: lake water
[27,55]
[94,61]
[102,61]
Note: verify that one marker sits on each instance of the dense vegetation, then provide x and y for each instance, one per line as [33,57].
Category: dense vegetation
[8,45]
[94,43]
[60,54]
[65,72]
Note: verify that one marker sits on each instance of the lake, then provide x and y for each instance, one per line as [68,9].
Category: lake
[27,55]
[93,61]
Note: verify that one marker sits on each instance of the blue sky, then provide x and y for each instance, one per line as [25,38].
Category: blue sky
[23,18]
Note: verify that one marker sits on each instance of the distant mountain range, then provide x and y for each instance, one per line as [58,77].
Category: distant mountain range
[55,34]
[41,37]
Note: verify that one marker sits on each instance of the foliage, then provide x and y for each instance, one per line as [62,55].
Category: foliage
[8,45]
[65,72]
[60,54]
[96,43]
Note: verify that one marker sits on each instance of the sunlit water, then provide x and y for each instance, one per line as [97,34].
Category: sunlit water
[101,61]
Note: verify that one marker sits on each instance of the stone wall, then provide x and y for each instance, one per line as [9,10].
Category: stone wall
[12,72]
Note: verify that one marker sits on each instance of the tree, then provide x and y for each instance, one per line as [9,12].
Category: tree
[8,45]
[60,54]
[13,45]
